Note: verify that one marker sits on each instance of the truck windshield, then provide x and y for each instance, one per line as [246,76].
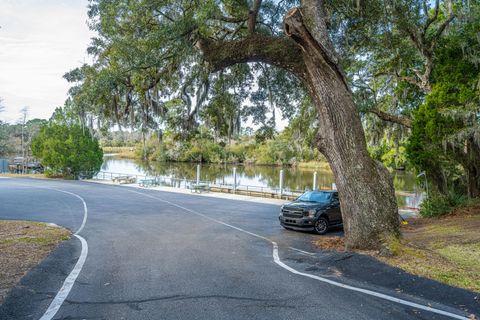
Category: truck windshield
[314,196]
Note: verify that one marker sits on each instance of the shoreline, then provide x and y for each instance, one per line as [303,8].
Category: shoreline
[129,154]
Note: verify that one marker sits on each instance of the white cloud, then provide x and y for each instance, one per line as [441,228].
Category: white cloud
[39,42]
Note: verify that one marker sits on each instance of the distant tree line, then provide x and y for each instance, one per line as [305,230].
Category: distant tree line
[11,138]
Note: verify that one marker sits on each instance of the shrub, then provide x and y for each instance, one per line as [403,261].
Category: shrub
[235,152]
[69,151]
[277,152]
[434,205]
[437,204]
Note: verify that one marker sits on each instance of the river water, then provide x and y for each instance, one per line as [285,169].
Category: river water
[257,176]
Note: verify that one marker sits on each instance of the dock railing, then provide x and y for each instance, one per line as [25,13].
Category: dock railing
[248,190]
[183,183]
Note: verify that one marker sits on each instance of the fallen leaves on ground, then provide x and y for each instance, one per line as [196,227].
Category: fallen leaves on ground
[335,243]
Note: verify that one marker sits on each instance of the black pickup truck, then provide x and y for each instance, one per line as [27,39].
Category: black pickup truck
[312,211]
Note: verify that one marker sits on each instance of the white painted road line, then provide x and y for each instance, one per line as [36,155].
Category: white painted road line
[70,280]
[67,284]
[85,210]
[276,259]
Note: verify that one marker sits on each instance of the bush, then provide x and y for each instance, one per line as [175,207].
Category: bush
[69,151]
[203,147]
[437,204]
[236,152]
[434,205]
[204,150]
[274,152]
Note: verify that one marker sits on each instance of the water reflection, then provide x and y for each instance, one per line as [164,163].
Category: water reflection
[258,176]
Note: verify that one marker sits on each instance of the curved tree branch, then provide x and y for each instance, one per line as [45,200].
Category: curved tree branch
[401,120]
[252,15]
[278,51]
[229,19]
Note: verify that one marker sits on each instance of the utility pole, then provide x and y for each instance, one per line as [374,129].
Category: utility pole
[281,183]
[24,112]
[198,173]
[235,180]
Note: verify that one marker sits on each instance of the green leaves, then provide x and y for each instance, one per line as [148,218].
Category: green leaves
[446,126]
[68,150]
[146,60]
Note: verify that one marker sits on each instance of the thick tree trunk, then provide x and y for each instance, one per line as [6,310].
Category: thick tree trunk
[366,191]
[368,202]
[365,187]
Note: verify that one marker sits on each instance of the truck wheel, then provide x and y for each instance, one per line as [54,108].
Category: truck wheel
[321,225]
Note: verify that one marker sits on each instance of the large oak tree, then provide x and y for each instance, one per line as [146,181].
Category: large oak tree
[181,43]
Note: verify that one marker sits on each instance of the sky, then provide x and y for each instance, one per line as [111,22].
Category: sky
[40,40]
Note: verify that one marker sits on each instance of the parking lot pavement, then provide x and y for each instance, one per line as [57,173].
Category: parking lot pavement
[153,254]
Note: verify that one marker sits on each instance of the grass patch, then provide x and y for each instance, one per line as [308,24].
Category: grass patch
[397,248]
[322,165]
[23,244]
[122,152]
[445,249]
[42,240]
[432,266]
[442,230]
[466,256]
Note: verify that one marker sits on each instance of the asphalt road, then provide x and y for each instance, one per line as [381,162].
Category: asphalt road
[161,255]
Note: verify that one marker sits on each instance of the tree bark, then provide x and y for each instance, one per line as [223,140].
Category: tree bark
[252,15]
[277,51]
[368,203]
[367,196]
